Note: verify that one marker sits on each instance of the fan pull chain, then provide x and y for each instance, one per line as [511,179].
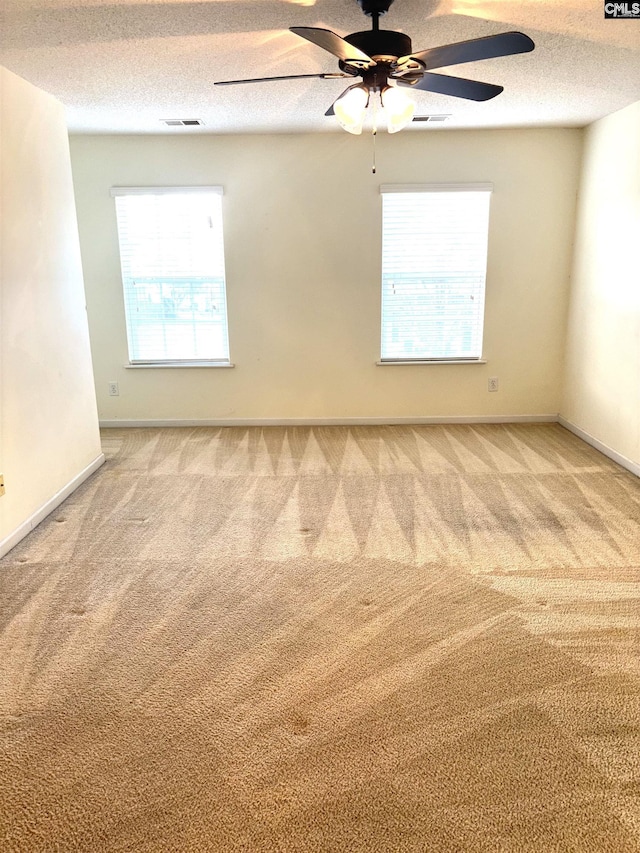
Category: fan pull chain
[373,166]
[374,133]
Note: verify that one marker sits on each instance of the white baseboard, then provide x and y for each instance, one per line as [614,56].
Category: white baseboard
[39,515]
[629,464]
[243,422]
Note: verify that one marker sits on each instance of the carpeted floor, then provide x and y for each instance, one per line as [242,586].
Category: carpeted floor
[327,639]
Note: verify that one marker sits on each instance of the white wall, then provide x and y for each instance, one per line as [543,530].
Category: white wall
[48,419]
[602,382]
[303,239]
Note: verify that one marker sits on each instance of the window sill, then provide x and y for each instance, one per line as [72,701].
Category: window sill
[172,364]
[392,363]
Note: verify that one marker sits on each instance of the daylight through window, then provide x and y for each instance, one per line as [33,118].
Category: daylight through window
[172,259]
[434,260]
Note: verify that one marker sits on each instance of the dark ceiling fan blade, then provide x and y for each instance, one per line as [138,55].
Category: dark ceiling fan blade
[489,47]
[337,75]
[458,87]
[335,45]
[330,111]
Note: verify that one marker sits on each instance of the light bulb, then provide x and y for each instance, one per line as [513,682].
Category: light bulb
[398,108]
[350,108]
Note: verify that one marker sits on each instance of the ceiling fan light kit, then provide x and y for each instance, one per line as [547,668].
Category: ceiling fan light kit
[385,61]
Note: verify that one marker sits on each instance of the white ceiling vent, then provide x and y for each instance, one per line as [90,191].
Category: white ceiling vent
[182,122]
[442,117]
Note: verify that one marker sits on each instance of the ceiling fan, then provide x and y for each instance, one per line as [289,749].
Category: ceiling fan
[385,61]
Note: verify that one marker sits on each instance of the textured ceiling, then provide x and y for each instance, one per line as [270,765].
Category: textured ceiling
[122,66]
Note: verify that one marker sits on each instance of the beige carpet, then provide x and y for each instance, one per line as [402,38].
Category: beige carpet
[327,639]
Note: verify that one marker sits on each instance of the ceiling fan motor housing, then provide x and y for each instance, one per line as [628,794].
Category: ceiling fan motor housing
[383,43]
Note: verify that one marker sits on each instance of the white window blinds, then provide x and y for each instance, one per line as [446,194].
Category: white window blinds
[172,259]
[434,260]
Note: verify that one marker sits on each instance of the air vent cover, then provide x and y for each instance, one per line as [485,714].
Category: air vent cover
[433,118]
[182,122]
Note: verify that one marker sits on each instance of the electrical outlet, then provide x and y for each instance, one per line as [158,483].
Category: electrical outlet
[492,384]
[1,485]
[114,391]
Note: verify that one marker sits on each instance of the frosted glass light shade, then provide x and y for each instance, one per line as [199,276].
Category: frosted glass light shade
[398,108]
[350,108]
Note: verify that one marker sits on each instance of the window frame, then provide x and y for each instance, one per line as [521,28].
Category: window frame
[484,187]
[120,191]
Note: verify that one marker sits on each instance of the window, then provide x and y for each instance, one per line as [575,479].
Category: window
[434,260]
[172,259]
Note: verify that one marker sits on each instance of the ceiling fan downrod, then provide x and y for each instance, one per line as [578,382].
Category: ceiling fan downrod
[374,9]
